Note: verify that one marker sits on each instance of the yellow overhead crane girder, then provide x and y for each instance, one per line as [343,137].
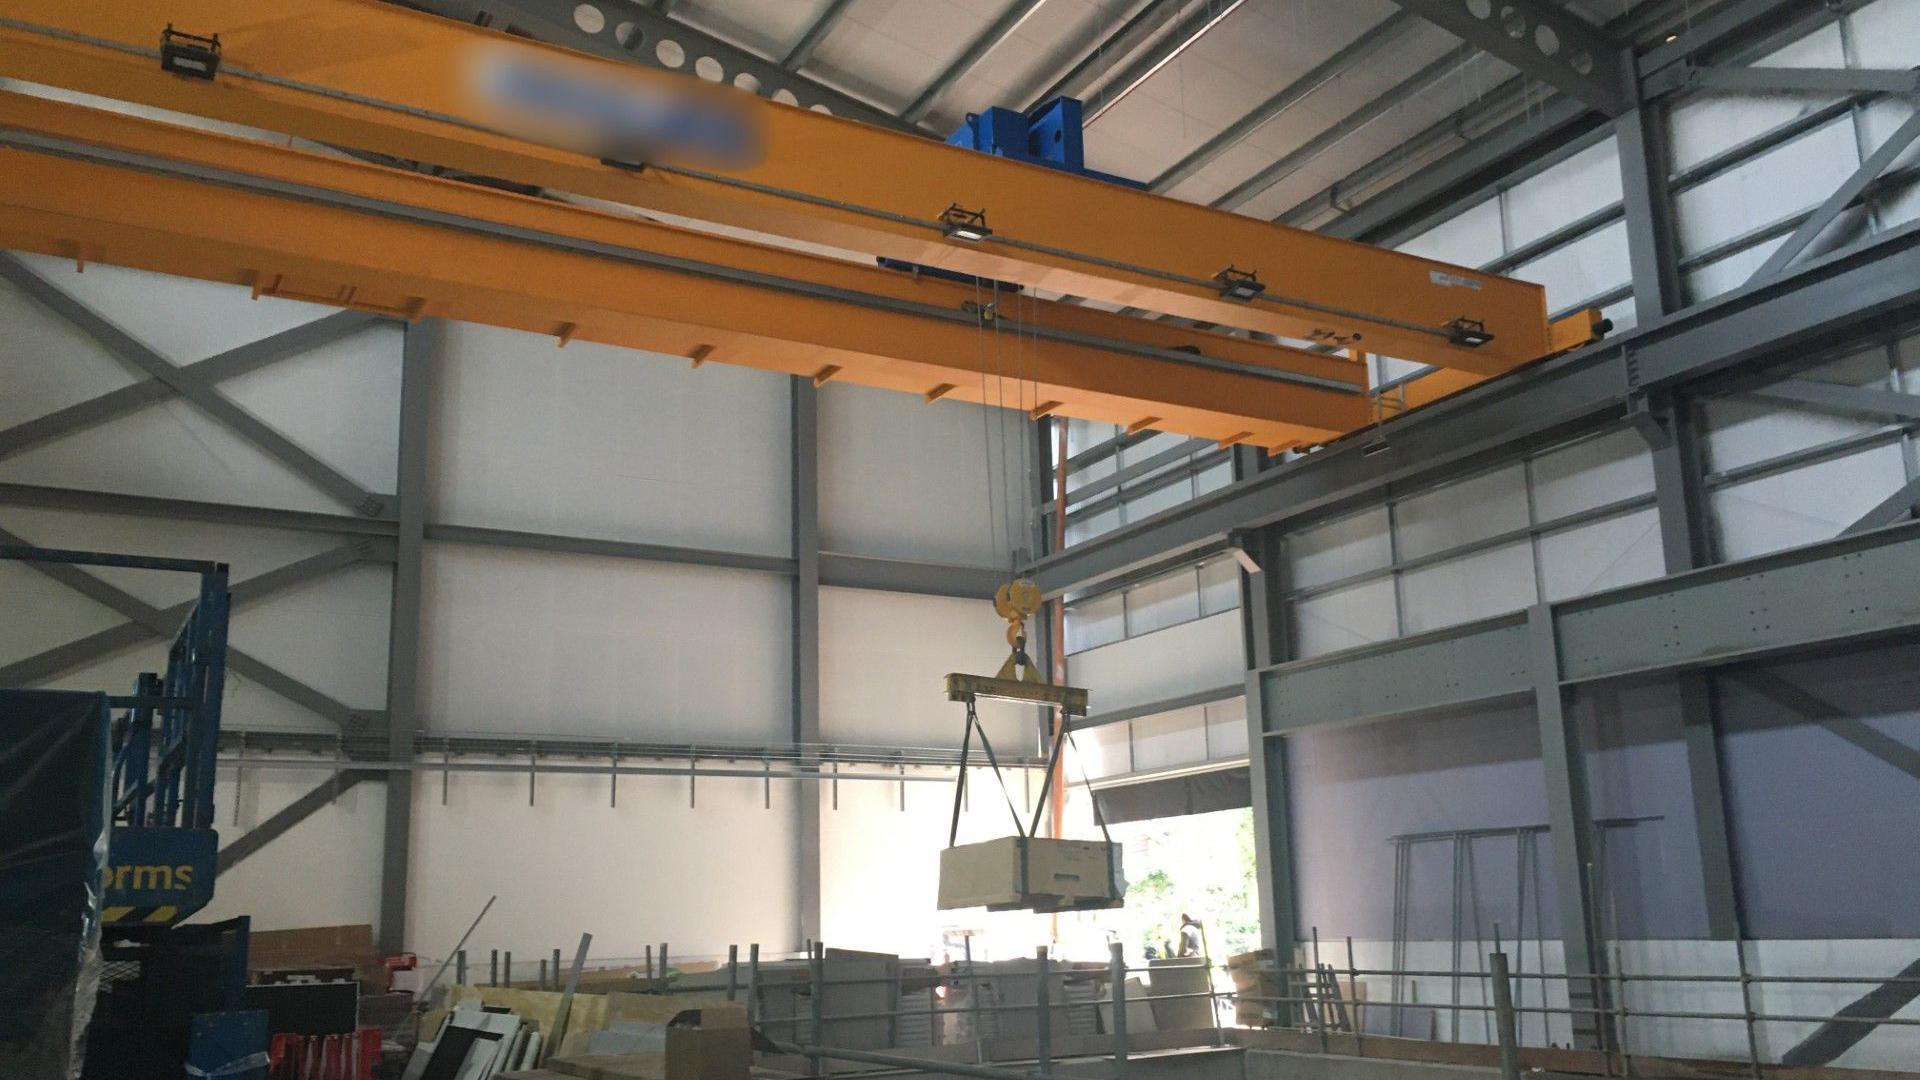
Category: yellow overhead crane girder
[376,77]
[101,186]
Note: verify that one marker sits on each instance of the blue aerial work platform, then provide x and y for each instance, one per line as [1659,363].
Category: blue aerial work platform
[107,844]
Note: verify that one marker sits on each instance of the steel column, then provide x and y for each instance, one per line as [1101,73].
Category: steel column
[1267,640]
[804,430]
[424,351]
[1685,543]
[1570,819]
[1648,205]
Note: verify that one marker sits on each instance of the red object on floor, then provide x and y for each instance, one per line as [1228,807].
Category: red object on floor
[324,1057]
[404,961]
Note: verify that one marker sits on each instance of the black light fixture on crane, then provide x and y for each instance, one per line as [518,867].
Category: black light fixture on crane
[961,224]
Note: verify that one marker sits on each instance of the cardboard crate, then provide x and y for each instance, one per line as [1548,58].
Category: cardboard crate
[1038,873]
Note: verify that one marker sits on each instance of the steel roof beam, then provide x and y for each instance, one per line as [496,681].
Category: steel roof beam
[816,32]
[988,40]
[1115,47]
[1546,41]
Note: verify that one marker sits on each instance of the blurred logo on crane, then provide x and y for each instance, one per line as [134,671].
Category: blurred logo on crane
[619,115]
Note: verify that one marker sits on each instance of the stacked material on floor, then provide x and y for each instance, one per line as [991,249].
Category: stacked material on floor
[706,1044]
[1255,978]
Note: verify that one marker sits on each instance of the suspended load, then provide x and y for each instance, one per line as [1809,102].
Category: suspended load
[1025,871]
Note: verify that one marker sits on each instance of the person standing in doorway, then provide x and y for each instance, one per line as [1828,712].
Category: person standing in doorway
[1189,935]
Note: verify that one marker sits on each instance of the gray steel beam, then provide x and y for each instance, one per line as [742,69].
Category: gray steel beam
[1843,196]
[804,431]
[1389,34]
[1868,401]
[1895,507]
[1652,250]
[1816,305]
[1831,594]
[421,359]
[985,42]
[552,21]
[1210,696]
[614,549]
[156,622]
[236,361]
[1685,544]
[1130,35]
[120,504]
[194,388]
[1570,821]
[1420,82]
[1819,710]
[284,819]
[906,576]
[1546,41]
[70,655]
[816,32]
[1788,80]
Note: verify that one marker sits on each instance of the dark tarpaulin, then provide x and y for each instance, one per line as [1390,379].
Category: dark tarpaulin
[1199,793]
[54,768]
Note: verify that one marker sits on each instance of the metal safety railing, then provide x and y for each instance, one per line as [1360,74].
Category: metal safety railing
[1310,1001]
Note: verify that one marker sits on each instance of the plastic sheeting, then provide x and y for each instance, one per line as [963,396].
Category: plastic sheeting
[54,795]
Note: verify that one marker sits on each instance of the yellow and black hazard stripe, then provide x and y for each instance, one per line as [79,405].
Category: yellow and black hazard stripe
[150,916]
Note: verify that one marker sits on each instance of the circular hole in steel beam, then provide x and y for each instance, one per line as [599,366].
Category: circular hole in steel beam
[1581,62]
[709,69]
[1480,9]
[589,19]
[747,81]
[1546,40]
[669,53]
[785,97]
[1514,23]
[625,34]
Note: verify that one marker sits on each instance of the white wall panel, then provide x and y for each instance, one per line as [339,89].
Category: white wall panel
[651,869]
[525,641]
[1564,193]
[1099,621]
[1470,239]
[593,440]
[325,871]
[338,402]
[1582,269]
[1170,738]
[1602,555]
[1805,505]
[1707,124]
[1589,473]
[47,364]
[1357,615]
[905,479]
[1198,655]
[1162,602]
[1339,549]
[347,610]
[183,319]
[1459,513]
[1473,587]
[884,659]
[1227,729]
[1790,178]
[1741,431]
[880,865]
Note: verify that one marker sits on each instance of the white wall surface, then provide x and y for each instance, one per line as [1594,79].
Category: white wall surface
[648,870]
[884,659]
[518,641]
[1203,654]
[595,440]
[907,480]
[324,871]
